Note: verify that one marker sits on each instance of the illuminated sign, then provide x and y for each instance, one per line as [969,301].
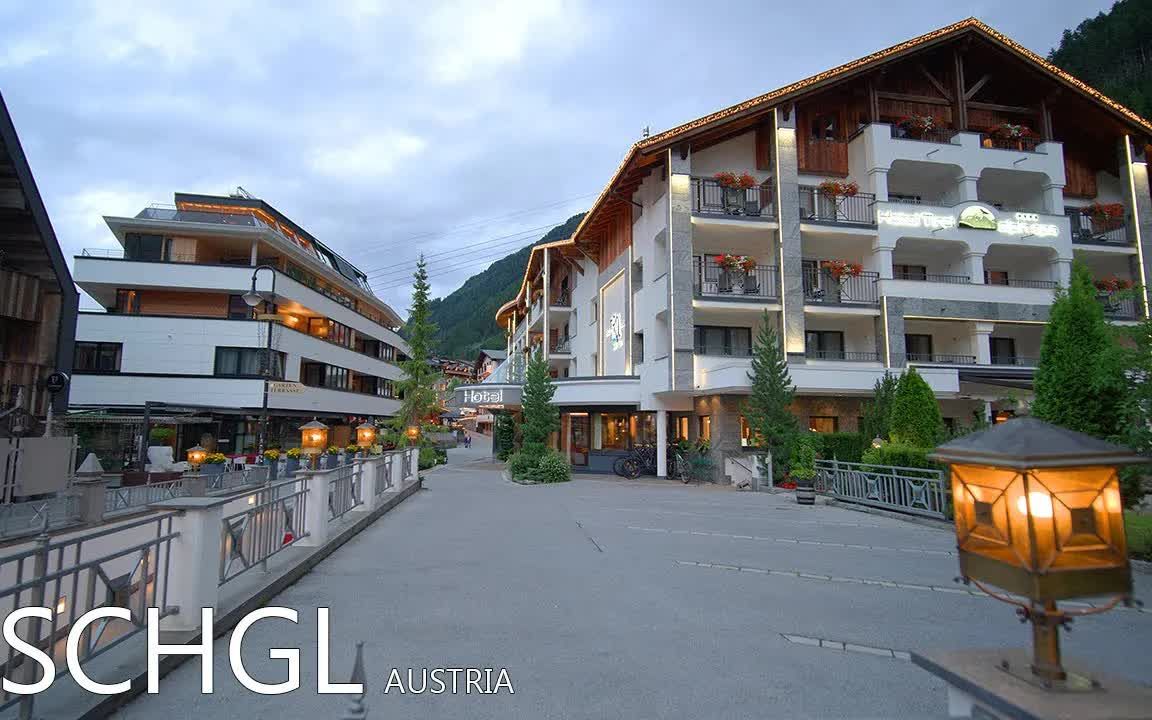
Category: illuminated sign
[974,217]
[495,398]
[615,332]
[484,397]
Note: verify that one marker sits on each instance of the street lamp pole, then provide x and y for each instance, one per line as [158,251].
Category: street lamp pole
[253,298]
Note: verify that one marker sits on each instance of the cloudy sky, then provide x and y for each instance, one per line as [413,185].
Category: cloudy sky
[460,129]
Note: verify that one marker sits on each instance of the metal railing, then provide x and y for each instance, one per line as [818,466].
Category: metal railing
[562,299]
[936,135]
[134,577]
[384,474]
[1024,144]
[916,491]
[933,278]
[722,350]
[238,478]
[344,490]
[132,497]
[405,466]
[1091,231]
[1025,283]
[276,521]
[27,518]
[1120,307]
[817,207]
[821,287]
[119,254]
[710,198]
[1017,360]
[844,355]
[940,359]
[710,279]
[562,345]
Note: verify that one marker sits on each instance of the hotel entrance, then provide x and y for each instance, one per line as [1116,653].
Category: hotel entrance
[581,438]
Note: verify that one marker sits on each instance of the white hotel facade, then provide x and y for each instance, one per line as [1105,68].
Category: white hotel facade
[961,233]
[177,332]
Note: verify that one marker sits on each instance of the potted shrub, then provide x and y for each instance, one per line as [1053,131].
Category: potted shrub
[214,464]
[331,458]
[1012,136]
[272,460]
[734,186]
[917,126]
[1110,289]
[803,471]
[161,435]
[291,461]
[1105,216]
[835,189]
[350,451]
[734,268]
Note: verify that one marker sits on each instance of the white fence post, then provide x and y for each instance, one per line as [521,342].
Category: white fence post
[397,470]
[316,512]
[414,465]
[367,469]
[194,565]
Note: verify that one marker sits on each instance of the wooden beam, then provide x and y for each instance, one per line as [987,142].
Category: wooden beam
[873,102]
[927,99]
[960,102]
[935,83]
[976,87]
[1045,121]
[1003,108]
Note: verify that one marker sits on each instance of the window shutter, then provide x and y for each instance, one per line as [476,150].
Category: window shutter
[763,147]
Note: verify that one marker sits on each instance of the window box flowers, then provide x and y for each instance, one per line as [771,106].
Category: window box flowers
[842,270]
[737,273]
[214,464]
[1111,289]
[291,461]
[835,189]
[1104,216]
[734,186]
[917,126]
[729,261]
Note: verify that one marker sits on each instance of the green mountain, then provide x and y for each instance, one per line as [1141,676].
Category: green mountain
[1112,52]
[466,319]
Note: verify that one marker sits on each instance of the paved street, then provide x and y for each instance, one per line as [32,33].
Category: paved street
[608,599]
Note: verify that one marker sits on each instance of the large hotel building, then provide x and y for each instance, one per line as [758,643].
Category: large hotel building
[915,207]
[178,339]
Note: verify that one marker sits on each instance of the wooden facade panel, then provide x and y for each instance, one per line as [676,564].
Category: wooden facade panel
[893,111]
[1079,178]
[764,148]
[824,157]
[159,302]
[19,296]
[617,238]
[985,120]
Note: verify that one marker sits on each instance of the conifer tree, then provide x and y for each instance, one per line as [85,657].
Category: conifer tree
[877,419]
[541,417]
[768,409]
[915,418]
[1080,382]
[418,385]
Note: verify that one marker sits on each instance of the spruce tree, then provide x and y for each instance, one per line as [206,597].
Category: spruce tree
[915,416]
[417,388]
[768,409]
[1080,382]
[877,419]
[1137,360]
[541,417]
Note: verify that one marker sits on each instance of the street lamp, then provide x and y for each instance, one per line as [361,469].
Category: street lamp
[365,436]
[413,433]
[252,298]
[877,442]
[196,456]
[1038,514]
[313,439]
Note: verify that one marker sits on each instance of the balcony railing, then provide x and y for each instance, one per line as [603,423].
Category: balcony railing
[712,280]
[818,207]
[940,359]
[1087,230]
[933,278]
[563,298]
[821,287]
[1120,307]
[1026,144]
[723,350]
[710,198]
[937,135]
[1016,360]
[842,355]
[562,345]
[1023,283]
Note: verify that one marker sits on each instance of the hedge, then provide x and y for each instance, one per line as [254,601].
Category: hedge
[900,455]
[843,446]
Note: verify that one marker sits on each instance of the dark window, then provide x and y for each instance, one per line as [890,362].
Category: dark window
[238,309]
[317,374]
[705,427]
[736,341]
[247,362]
[824,344]
[825,127]
[996,277]
[918,347]
[127,302]
[1003,350]
[97,357]
[910,272]
[824,423]
[140,246]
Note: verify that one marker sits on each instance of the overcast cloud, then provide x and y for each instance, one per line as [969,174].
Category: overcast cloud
[388,128]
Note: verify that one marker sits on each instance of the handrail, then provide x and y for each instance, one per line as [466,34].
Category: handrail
[918,491]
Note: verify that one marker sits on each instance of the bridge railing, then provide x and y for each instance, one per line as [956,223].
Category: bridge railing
[917,491]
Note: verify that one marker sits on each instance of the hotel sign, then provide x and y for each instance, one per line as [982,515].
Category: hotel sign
[974,217]
[480,397]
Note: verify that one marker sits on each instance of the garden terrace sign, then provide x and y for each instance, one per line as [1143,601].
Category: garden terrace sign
[974,217]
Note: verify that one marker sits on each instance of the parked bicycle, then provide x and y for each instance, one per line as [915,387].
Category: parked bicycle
[641,461]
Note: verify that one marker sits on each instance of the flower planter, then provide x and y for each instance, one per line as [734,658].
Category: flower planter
[327,462]
[212,469]
[291,465]
[734,200]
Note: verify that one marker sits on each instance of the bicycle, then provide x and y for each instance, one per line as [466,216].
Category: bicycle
[642,460]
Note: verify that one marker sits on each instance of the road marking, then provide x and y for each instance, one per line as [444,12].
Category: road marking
[764,538]
[878,582]
[847,647]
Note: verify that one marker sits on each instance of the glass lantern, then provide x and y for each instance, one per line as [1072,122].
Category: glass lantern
[196,456]
[365,435]
[313,437]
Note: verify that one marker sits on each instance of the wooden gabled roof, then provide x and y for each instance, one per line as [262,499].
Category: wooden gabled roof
[643,152]
[534,258]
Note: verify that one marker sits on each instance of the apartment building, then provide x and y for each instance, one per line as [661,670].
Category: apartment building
[178,332]
[915,207]
[38,301]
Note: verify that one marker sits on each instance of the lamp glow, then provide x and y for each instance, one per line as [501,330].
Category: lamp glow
[196,456]
[365,435]
[1036,504]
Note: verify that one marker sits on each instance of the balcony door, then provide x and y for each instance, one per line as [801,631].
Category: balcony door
[917,347]
[1003,350]
[824,344]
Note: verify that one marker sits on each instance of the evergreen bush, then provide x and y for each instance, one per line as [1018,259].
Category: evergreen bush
[803,460]
[877,412]
[768,409]
[915,418]
[843,446]
[540,417]
[552,468]
[504,435]
[899,455]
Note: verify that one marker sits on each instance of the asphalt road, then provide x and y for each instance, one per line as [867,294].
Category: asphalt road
[607,599]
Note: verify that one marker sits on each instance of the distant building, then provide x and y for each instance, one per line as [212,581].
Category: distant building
[177,329]
[452,373]
[487,361]
[38,301]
